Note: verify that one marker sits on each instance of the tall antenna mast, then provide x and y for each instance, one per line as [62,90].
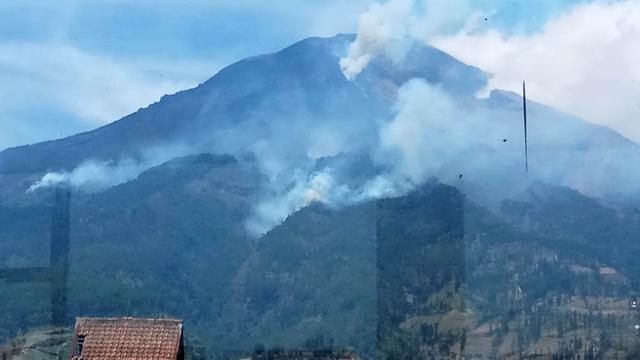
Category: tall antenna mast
[526,146]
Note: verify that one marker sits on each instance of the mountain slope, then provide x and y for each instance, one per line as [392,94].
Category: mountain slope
[406,276]
[168,242]
[428,270]
[301,80]
[296,104]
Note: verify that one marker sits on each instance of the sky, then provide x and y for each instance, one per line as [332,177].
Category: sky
[70,66]
[583,61]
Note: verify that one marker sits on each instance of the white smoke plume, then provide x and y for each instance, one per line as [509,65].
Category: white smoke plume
[436,134]
[316,187]
[377,28]
[474,144]
[465,142]
[384,27]
[96,175]
[429,129]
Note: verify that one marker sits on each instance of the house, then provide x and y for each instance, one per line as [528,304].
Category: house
[127,338]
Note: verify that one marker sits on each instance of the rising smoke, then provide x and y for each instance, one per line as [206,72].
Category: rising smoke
[96,175]
[386,28]
[308,156]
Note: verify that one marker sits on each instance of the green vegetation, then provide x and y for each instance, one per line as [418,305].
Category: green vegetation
[429,275]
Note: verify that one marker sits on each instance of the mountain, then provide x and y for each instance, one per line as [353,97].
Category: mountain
[476,257]
[310,282]
[304,79]
[578,225]
[166,233]
[296,103]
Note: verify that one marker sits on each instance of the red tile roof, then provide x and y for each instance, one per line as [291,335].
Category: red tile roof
[128,338]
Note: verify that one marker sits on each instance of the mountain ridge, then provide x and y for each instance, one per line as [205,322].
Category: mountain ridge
[150,126]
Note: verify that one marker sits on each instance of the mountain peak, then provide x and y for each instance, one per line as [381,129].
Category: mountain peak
[301,80]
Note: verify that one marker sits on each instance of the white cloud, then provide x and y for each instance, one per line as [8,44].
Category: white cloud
[584,62]
[92,88]
[50,73]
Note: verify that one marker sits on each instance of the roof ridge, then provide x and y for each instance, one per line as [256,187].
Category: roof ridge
[128,318]
[119,338]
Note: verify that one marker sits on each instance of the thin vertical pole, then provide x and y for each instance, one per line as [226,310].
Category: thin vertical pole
[526,145]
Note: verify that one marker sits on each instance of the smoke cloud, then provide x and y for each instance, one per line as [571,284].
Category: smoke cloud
[349,151]
[97,175]
[429,129]
[473,144]
[384,29]
[377,28]
[316,187]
